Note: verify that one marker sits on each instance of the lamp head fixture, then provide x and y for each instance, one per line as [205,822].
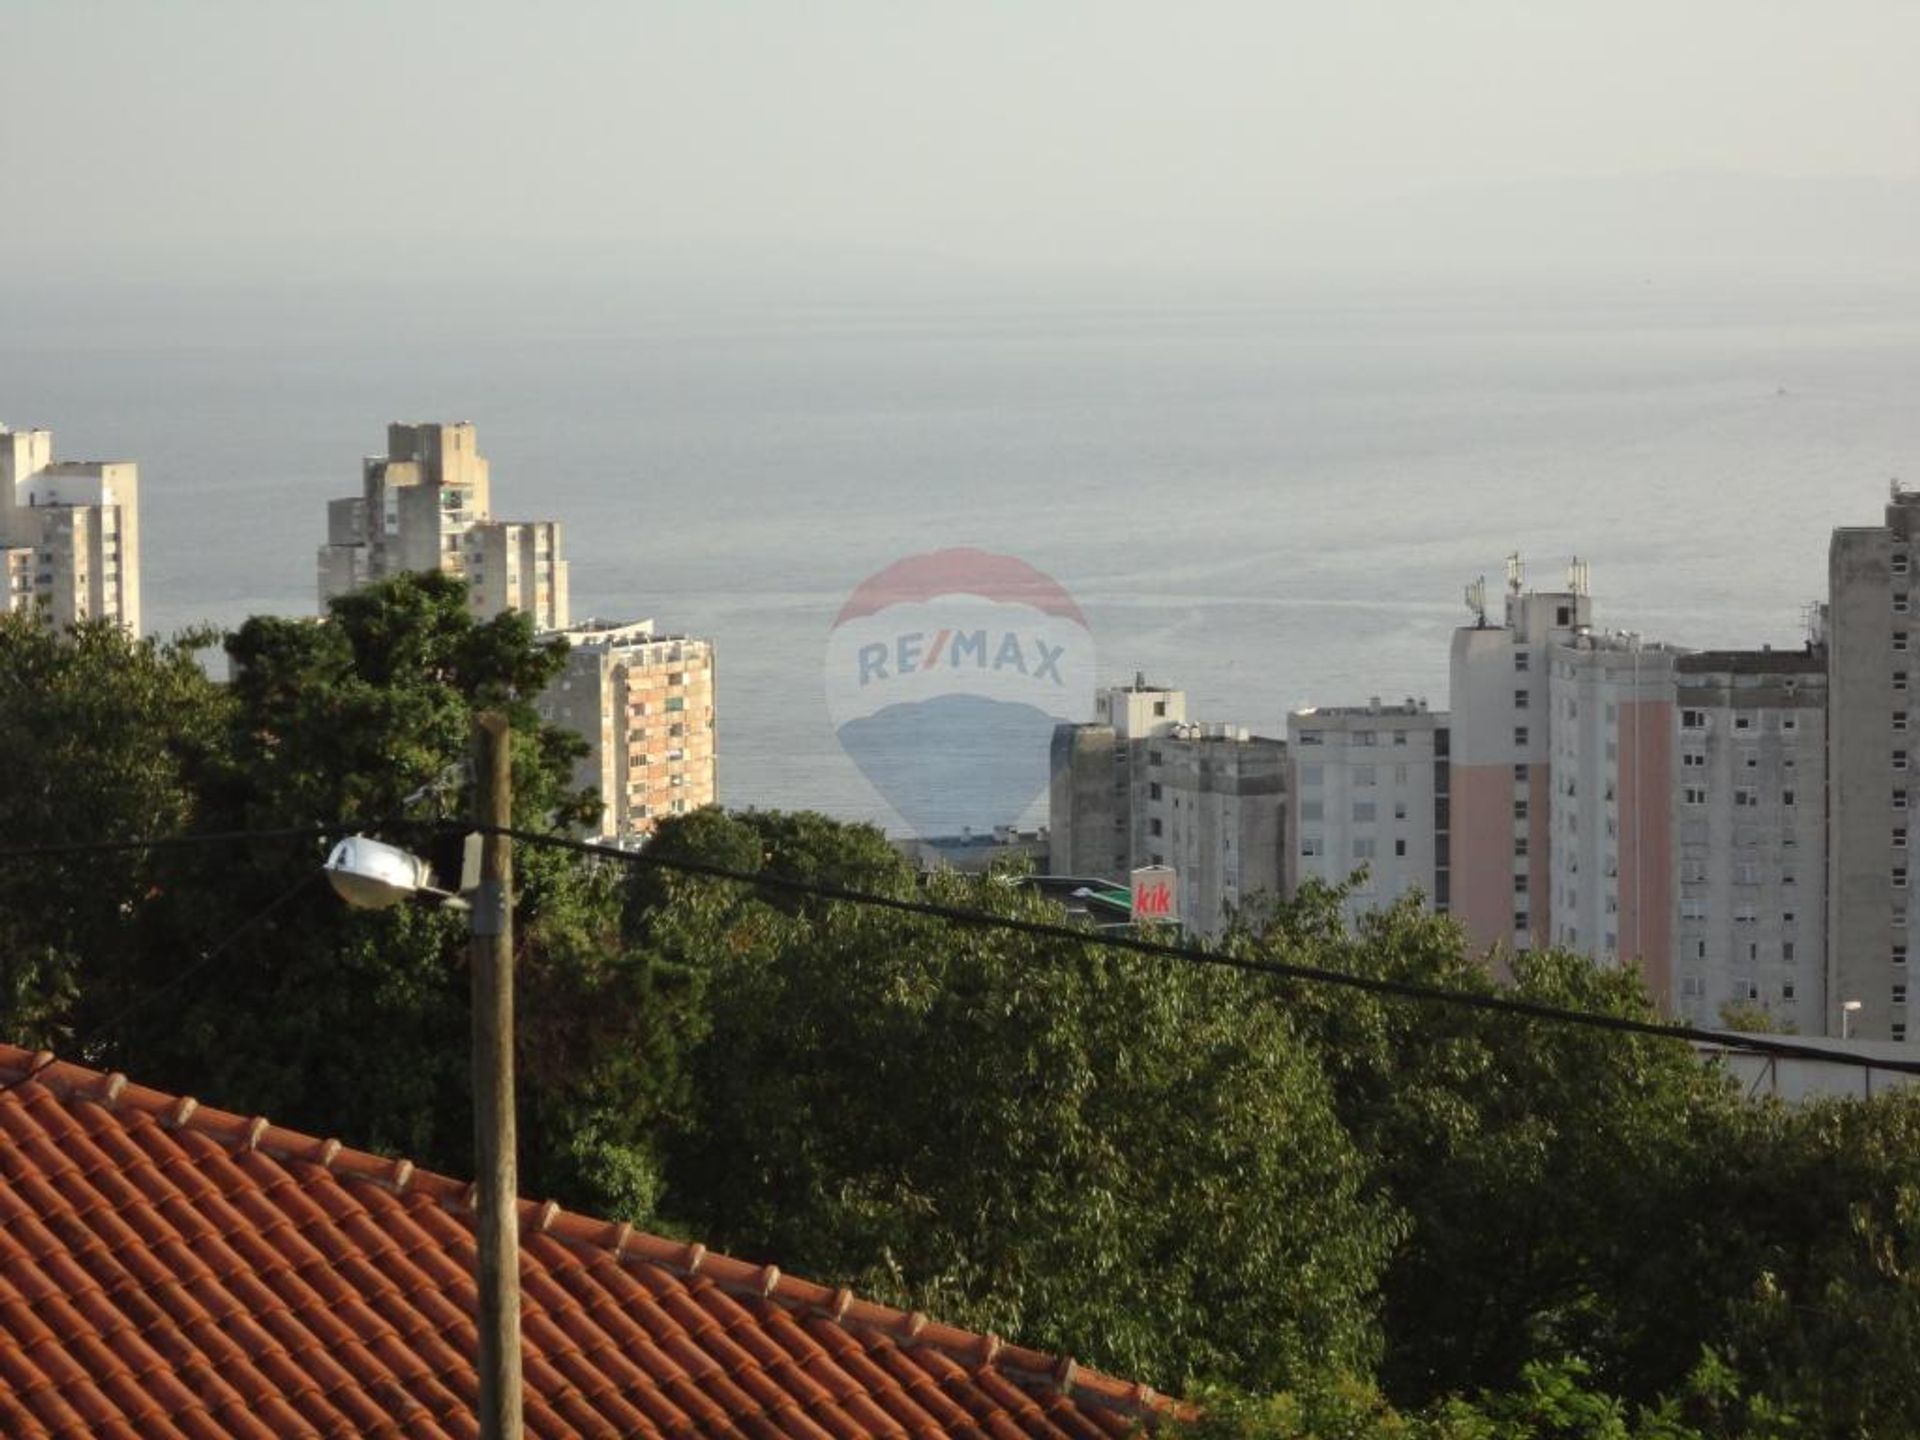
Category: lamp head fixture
[372,875]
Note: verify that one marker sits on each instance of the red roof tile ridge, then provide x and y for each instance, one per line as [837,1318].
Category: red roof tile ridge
[1034,1370]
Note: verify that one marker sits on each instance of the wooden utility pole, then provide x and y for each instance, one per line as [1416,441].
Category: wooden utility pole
[497,1218]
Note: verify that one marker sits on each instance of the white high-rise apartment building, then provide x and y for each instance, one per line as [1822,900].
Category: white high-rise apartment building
[69,533]
[427,505]
[1646,805]
[1369,796]
[644,704]
[1609,726]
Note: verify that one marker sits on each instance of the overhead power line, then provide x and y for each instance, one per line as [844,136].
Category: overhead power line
[1766,1045]
[1191,954]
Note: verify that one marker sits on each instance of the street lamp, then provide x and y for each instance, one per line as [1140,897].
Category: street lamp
[1848,1009]
[373,875]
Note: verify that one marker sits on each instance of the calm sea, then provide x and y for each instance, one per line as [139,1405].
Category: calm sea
[1268,501]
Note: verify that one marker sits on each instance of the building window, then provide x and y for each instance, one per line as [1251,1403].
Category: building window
[1363,812]
[1899,994]
[1786,797]
[1520,774]
[1363,775]
[1899,759]
[1521,699]
[1153,757]
[1899,799]
[1899,720]
[1899,877]
[1363,849]
[1693,719]
[1899,680]
[1520,809]
[1159,709]
[1745,797]
[1400,737]
[1899,563]
[1693,760]
[1520,921]
[1900,602]
[1786,953]
[1694,795]
[1743,722]
[1400,847]
[1312,775]
[1310,737]
[1520,883]
[1520,736]
[1309,845]
[1153,826]
[1900,640]
[1900,953]
[1522,660]
[1153,790]
[1899,1030]
[1899,837]
[1312,810]
[1399,809]
[1519,847]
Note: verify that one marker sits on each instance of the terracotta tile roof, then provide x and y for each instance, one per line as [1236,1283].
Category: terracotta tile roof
[172,1270]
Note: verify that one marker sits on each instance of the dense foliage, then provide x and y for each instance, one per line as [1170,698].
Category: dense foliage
[1328,1213]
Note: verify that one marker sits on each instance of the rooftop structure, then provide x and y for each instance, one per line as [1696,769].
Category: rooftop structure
[427,505]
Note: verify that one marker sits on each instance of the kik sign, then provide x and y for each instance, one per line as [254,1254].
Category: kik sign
[1156,895]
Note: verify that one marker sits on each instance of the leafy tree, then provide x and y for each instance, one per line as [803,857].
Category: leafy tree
[257,988]
[1822,1262]
[102,737]
[1551,1175]
[1130,1160]
[1550,1401]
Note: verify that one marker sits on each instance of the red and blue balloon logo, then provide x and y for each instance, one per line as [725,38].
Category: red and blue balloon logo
[946,675]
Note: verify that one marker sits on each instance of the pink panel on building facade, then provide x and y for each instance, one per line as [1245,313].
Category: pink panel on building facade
[1645,884]
[1481,852]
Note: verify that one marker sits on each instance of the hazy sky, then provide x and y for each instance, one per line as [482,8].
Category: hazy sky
[139,135]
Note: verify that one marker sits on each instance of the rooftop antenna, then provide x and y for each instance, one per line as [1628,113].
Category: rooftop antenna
[1813,619]
[1477,602]
[1516,573]
[1579,576]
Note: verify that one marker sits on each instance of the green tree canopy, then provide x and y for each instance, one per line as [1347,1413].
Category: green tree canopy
[1131,1160]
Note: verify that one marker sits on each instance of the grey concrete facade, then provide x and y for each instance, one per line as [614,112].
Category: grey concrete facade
[1368,802]
[1749,795]
[1870,770]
